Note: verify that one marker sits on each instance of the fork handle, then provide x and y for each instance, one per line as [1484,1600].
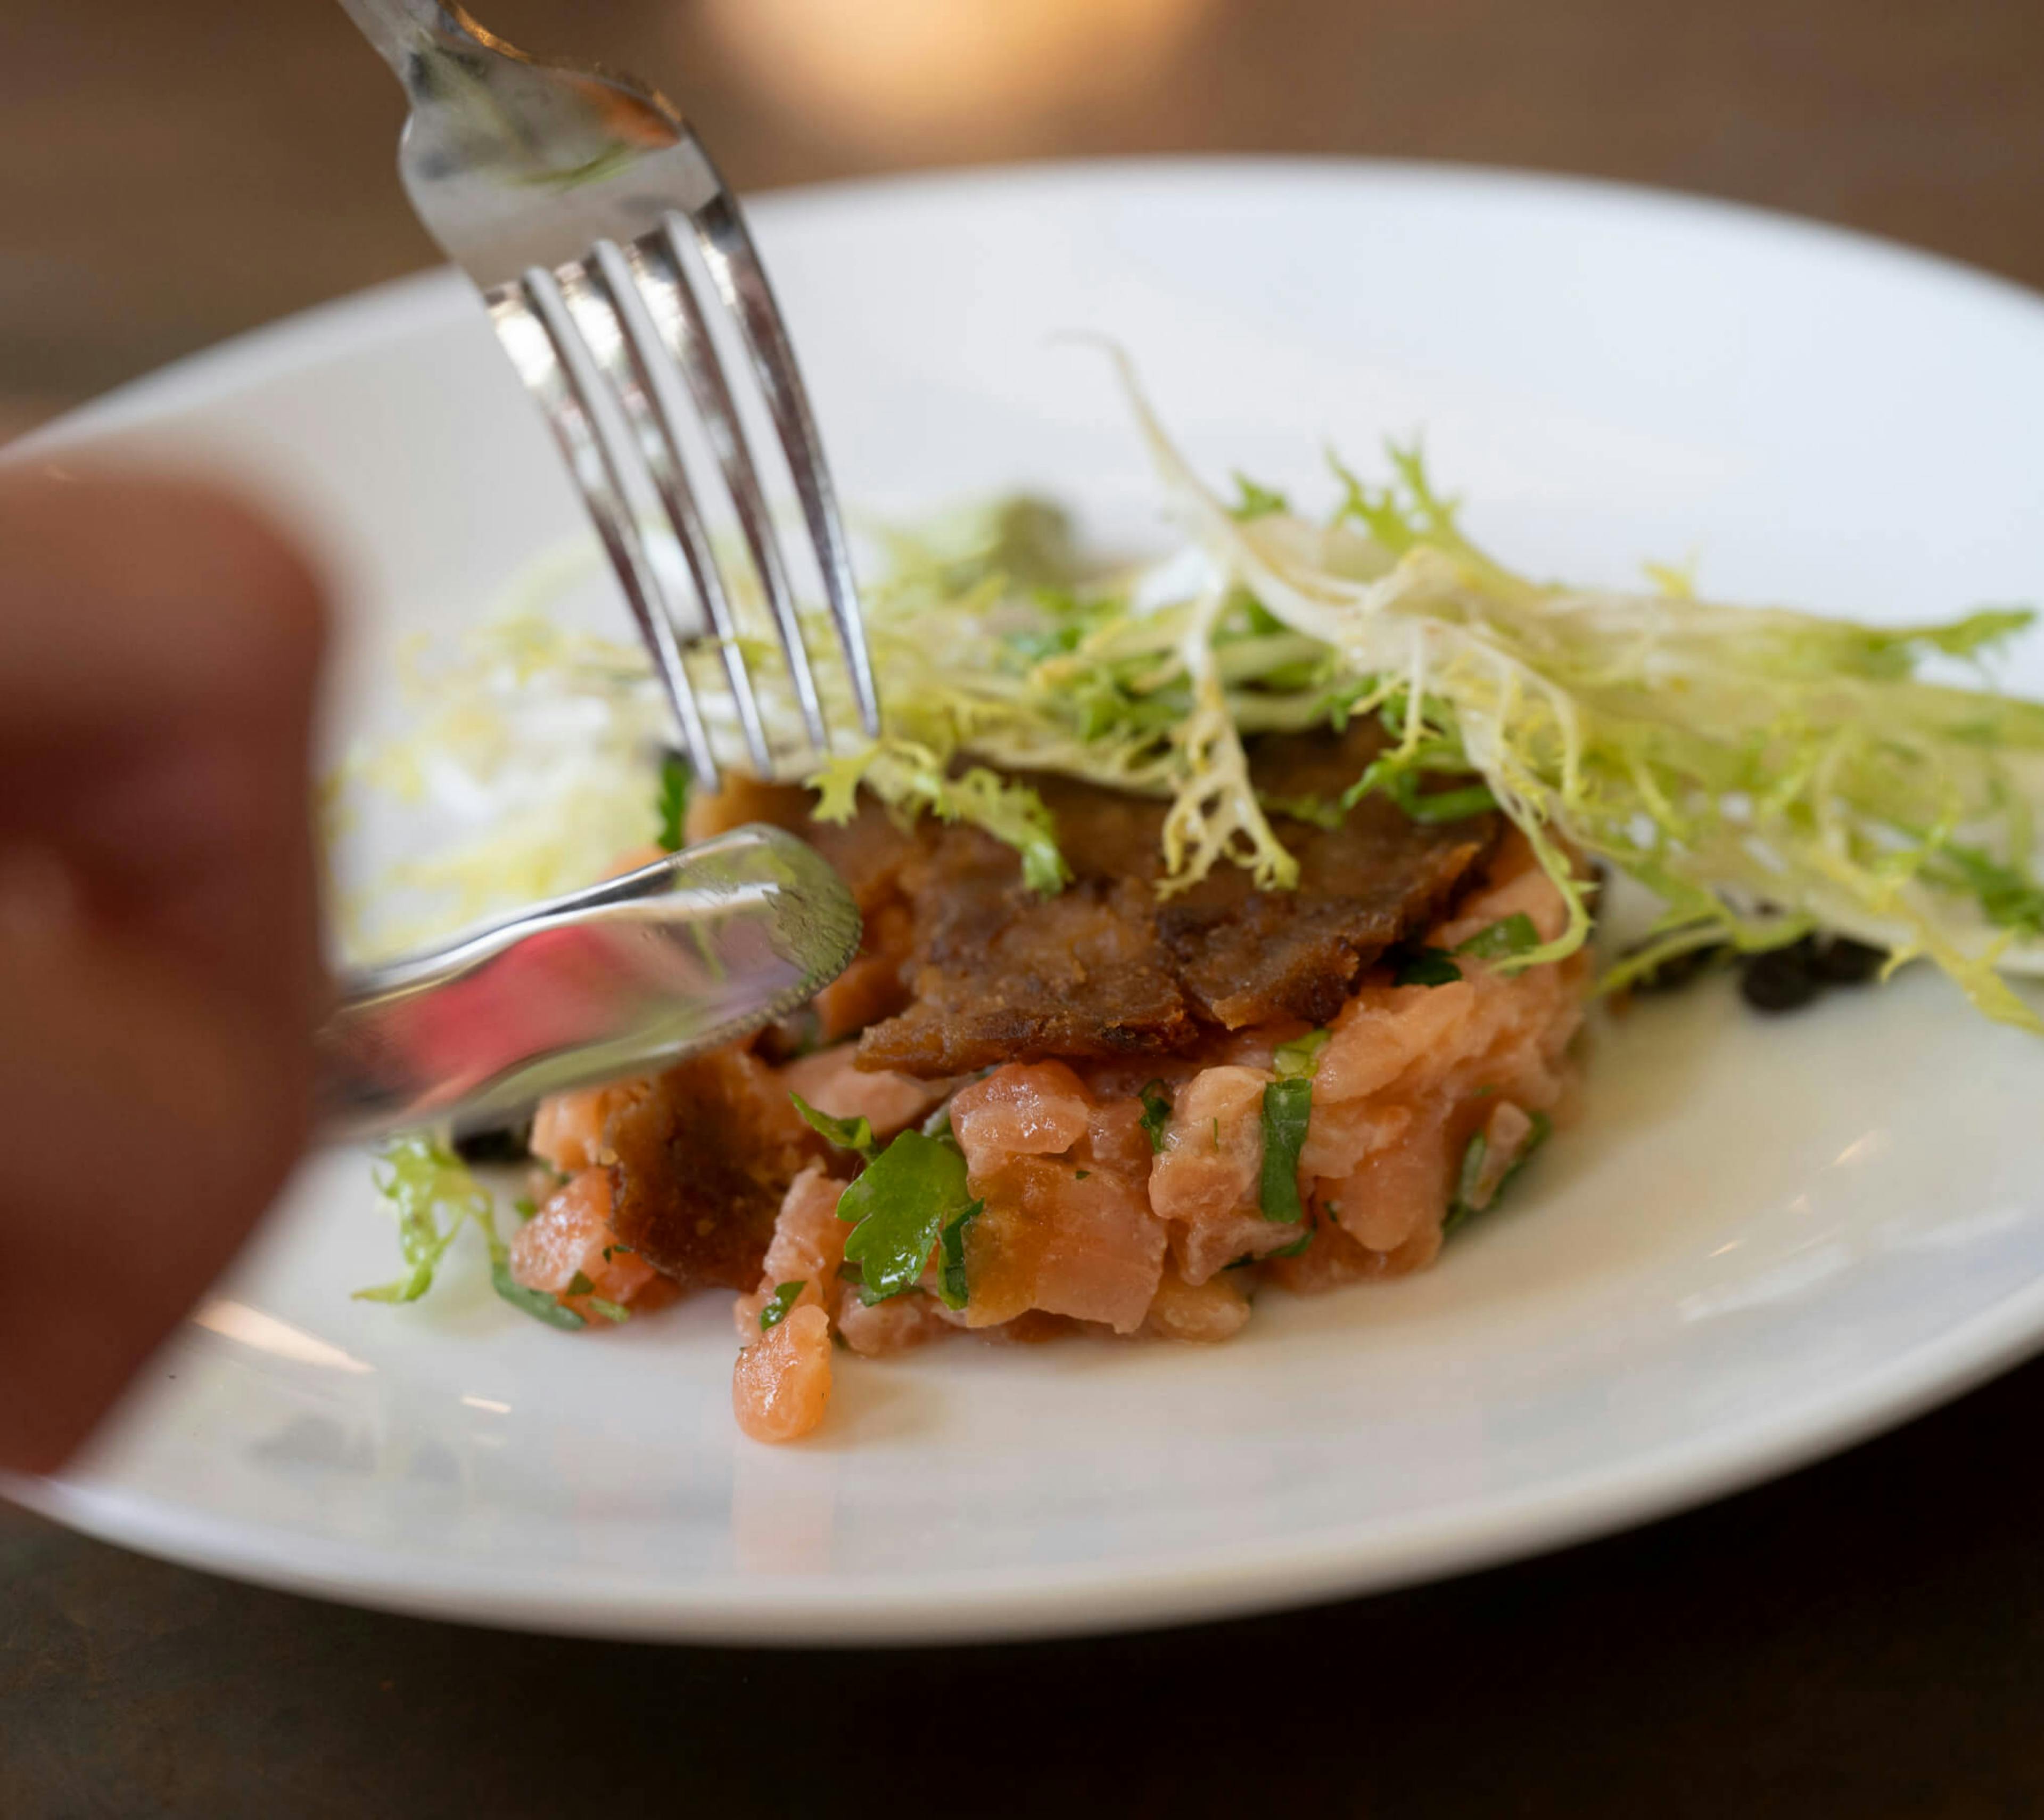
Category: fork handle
[396,28]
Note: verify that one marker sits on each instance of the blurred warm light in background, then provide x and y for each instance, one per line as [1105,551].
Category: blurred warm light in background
[892,74]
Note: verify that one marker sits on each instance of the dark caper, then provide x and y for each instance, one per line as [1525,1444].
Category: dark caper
[1679,970]
[1839,961]
[1781,979]
[496,1144]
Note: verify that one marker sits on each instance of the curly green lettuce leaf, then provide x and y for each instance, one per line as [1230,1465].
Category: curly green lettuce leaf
[434,1195]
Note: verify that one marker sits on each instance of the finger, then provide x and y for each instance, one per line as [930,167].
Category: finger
[158,938]
[130,602]
[148,1125]
[158,649]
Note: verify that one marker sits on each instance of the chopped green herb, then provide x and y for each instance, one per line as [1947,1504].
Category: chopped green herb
[1288,1108]
[537,1302]
[579,1285]
[1429,967]
[1474,1156]
[673,804]
[899,1207]
[1216,1125]
[1450,805]
[615,1312]
[1317,811]
[525,1206]
[1544,1129]
[1296,1060]
[950,1279]
[1464,1206]
[777,1305]
[846,1133]
[1397,775]
[1081,1175]
[611,1251]
[1297,1246]
[1514,935]
[1257,501]
[1156,1113]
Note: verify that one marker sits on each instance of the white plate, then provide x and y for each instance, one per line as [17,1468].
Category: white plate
[1767,1240]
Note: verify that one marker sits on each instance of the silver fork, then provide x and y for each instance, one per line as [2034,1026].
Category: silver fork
[572,201]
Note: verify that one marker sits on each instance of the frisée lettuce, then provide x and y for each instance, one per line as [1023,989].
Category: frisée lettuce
[1765,772]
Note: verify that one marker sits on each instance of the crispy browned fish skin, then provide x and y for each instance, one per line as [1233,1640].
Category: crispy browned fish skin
[704,1157]
[985,972]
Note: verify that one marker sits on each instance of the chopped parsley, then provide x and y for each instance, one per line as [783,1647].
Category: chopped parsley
[1316,811]
[1296,1247]
[899,1208]
[1288,1108]
[537,1302]
[525,1206]
[1156,1113]
[1429,967]
[1465,1206]
[672,803]
[1397,775]
[846,1133]
[1513,936]
[1081,1175]
[579,1285]
[1450,805]
[1296,1060]
[777,1305]
[950,1278]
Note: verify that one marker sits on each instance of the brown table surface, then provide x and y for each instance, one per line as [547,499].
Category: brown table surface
[1865,1637]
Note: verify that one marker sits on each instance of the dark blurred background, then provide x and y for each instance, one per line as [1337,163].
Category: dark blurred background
[174,171]
[1866,1638]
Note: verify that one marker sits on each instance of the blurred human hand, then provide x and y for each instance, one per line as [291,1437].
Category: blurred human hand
[159,969]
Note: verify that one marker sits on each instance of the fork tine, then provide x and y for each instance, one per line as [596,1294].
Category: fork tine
[606,301]
[533,324]
[734,263]
[665,288]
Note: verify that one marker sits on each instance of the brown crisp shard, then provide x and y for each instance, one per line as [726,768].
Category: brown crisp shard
[963,968]
[1109,969]
[702,1159]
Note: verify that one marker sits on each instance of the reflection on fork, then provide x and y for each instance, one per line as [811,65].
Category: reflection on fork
[592,221]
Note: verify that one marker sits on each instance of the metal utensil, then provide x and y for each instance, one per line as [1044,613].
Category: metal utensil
[582,207]
[695,950]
